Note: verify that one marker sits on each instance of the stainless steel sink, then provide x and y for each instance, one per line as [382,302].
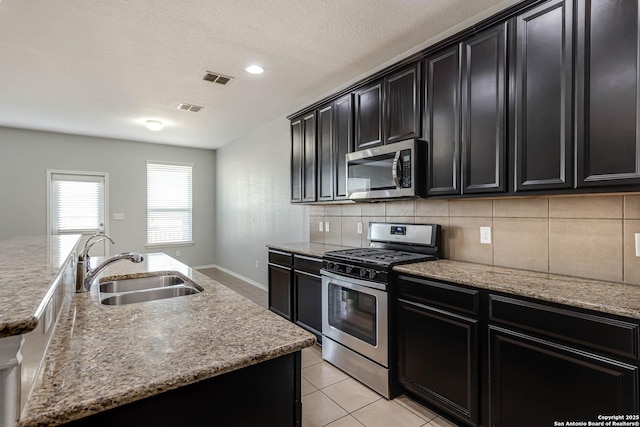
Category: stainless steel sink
[130,285]
[149,295]
[142,289]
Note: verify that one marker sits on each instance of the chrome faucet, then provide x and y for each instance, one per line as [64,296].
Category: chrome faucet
[84,273]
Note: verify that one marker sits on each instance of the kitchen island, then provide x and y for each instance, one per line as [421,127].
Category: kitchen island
[102,359]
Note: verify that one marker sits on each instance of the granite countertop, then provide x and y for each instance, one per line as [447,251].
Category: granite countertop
[103,356]
[28,266]
[607,297]
[307,248]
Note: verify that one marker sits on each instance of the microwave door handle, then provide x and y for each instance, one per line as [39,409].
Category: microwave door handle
[394,170]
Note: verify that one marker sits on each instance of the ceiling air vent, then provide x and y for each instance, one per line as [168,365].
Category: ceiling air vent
[190,107]
[216,78]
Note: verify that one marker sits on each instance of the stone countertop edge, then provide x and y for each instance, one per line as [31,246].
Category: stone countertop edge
[620,299]
[307,248]
[29,265]
[151,347]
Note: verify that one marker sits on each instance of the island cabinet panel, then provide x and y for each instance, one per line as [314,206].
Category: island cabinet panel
[264,394]
[368,105]
[343,144]
[541,136]
[442,120]
[309,158]
[325,153]
[296,160]
[280,273]
[607,66]
[438,350]
[307,291]
[535,382]
[402,116]
[483,111]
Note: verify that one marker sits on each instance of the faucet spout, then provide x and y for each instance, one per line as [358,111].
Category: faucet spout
[92,273]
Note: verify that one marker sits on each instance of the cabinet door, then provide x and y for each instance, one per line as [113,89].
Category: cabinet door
[308,302]
[296,160]
[343,144]
[309,157]
[483,111]
[402,105]
[607,128]
[438,358]
[535,382]
[368,120]
[543,64]
[325,153]
[280,290]
[442,124]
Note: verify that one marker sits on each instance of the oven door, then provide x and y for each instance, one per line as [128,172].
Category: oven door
[354,314]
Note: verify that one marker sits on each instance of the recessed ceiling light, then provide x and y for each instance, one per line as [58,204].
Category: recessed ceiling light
[254,69]
[154,125]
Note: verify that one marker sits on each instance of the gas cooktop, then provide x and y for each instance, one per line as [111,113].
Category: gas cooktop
[383,257]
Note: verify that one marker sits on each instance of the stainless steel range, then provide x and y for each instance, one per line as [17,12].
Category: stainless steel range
[355,303]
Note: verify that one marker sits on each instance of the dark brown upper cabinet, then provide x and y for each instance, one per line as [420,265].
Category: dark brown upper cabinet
[325,153]
[309,158]
[541,136]
[368,116]
[296,160]
[607,128]
[402,116]
[442,120]
[483,111]
[343,143]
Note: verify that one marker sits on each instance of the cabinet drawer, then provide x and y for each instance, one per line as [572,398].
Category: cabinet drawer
[281,258]
[592,331]
[307,264]
[439,294]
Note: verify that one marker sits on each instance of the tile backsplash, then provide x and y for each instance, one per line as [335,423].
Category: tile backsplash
[584,236]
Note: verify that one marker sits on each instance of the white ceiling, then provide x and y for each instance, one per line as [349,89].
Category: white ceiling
[103,67]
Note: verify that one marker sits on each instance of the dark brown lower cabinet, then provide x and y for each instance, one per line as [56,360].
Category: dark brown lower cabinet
[280,283]
[438,358]
[308,296]
[535,382]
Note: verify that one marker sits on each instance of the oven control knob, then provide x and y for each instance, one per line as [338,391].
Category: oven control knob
[330,266]
[349,269]
[364,272]
[372,274]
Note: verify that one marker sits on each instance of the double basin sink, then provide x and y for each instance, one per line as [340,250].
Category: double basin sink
[142,289]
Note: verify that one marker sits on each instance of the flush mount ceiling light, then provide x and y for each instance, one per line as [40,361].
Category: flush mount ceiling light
[254,69]
[154,125]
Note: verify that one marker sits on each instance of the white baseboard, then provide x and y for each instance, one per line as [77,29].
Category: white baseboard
[233,273]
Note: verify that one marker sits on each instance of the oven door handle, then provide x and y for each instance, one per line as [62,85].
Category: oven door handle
[353,283]
[394,170]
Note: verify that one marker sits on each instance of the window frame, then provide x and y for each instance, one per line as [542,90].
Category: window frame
[166,244]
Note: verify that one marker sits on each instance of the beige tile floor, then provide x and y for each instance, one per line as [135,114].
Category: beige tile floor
[332,398]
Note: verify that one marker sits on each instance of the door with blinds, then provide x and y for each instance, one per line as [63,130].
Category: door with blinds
[78,204]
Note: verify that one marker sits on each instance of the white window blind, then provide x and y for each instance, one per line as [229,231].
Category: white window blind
[169,203]
[77,203]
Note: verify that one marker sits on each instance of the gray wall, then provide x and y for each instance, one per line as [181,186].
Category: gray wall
[25,156]
[252,200]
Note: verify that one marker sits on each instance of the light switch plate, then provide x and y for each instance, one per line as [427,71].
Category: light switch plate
[637,244]
[320,226]
[359,227]
[117,216]
[326,227]
[485,235]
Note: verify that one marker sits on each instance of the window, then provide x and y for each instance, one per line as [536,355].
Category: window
[169,203]
[76,202]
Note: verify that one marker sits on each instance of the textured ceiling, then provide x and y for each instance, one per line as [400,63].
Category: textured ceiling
[103,67]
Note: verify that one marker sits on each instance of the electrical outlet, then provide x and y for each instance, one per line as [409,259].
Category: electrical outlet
[321,226]
[326,227]
[359,227]
[257,264]
[118,216]
[485,235]
[177,252]
[637,244]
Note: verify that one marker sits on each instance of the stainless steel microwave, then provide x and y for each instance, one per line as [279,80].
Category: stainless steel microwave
[387,172]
